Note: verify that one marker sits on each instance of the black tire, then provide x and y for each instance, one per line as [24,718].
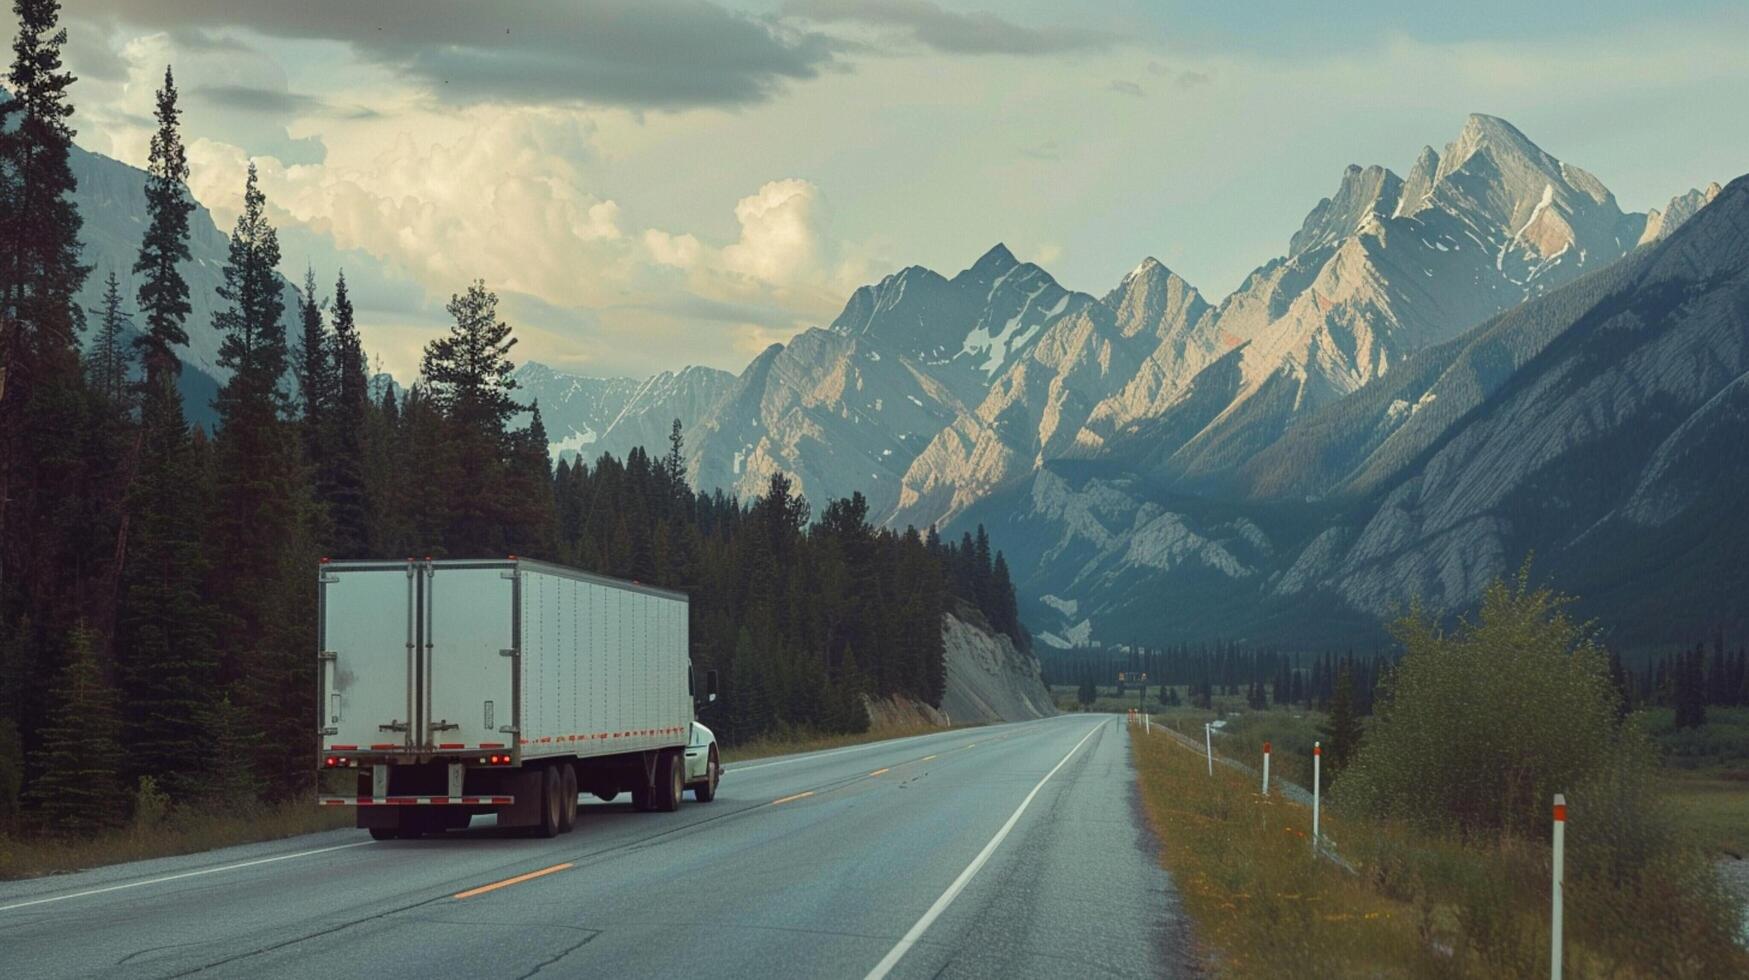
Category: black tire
[568,795]
[385,833]
[552,804]
[607,796]
[707,791]
[670,782]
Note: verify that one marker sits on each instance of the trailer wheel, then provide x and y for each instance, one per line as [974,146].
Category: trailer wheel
[552,810]
[606,795]
[384,833]
[671,782]
[568,791]
[707,791]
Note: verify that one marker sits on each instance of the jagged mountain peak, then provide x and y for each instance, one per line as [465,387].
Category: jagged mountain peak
[1149,295]
[1659,224]
[1419,182]
[1493,172]
[995,262]
[1365,192]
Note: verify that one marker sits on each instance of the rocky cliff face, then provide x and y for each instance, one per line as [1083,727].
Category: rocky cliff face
[988,680]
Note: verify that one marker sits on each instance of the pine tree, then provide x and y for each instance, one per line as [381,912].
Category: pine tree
[163,293]
[263,532]
[1343,732]
[39,224]
[233,743]
[164,639]
[674,464]
[532,517]
[315,368]
[53,511]
[1007,614]
[11,774]
[77,793]
[107,362]
[469,371]
[254,344]
[345,454]
[468,377]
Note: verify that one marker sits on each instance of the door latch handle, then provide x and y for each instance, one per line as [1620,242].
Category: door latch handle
[393,726]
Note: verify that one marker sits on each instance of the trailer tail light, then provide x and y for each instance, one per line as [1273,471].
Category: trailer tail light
[495,760]
[331,762]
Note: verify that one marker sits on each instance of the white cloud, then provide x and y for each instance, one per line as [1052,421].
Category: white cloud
[503,195]
[780,233]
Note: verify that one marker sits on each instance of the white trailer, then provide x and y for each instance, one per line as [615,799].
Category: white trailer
[504,686]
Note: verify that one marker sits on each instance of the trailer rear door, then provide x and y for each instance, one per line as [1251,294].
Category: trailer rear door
[367,644]
[471,659]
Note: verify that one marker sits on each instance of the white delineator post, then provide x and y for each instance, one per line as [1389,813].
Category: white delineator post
[1265,768]
[1208,740]
[1317,780]
[1147,724]
[1560,855]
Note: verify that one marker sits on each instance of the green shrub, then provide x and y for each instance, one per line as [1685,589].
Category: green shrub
[151,805]
[1478,728]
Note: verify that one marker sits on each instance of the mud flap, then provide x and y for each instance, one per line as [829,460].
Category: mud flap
[526,786]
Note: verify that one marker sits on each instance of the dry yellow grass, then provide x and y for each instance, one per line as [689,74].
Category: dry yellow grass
[182,833]
[1264,906]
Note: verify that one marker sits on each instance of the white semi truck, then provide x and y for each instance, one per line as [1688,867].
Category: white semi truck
[506,686]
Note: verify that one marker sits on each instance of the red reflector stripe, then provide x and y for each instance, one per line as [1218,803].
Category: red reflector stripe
[386,745]
[491,745]
[343,748]
[451,745]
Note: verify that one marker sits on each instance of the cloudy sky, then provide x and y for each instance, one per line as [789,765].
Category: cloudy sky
[650,183]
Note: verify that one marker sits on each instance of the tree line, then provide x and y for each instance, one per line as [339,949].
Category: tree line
[1687,681]
[1262,676]
[158,582]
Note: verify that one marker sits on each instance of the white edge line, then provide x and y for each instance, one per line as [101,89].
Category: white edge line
[898,952]
[186,874]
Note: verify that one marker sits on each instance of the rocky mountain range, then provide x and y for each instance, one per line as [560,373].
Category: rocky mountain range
[1599,428]
[1416,394]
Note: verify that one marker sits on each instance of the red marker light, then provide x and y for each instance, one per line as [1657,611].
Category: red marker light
[1265,748]
[1560,813]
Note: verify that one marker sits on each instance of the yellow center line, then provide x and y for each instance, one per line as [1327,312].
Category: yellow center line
[789,799]
[878,772]
[926,758]
[506,883]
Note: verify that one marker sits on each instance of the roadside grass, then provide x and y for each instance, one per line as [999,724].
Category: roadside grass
[804,741]
[180,832]
[1417,905]
[1721,743]
[1713,807]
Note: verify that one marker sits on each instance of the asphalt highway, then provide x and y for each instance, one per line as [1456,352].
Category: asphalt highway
[1007,851]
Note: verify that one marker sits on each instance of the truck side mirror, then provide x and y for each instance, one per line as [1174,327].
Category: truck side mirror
[710,685]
